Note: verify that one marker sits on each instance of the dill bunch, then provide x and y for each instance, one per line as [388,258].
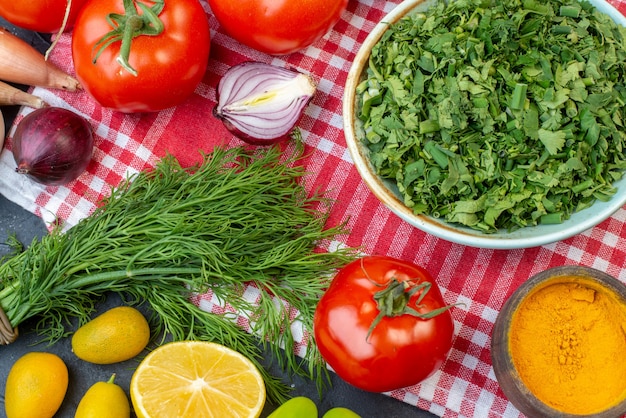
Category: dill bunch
[239,220]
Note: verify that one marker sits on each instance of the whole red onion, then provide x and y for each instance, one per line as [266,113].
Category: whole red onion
[52,145]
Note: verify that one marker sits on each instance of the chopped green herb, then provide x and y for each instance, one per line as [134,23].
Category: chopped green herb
[498,114]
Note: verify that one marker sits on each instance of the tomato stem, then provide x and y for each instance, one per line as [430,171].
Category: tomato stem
[393,300]
[128,26]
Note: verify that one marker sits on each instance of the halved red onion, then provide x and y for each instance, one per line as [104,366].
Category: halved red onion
[261,103]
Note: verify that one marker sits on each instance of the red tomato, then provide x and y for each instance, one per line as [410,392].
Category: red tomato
[277,27]
[40,15]
[382,353]
[169,65]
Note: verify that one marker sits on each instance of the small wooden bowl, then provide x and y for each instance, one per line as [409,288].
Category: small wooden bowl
[506,373]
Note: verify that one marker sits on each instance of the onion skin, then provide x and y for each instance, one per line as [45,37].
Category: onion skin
[261,103]
[10,95]
[21,63]
[2,132]
[52,146]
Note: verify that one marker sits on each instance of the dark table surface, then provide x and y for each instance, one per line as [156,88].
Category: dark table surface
[25,226]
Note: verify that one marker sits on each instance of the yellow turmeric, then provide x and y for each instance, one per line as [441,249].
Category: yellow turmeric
[568,344]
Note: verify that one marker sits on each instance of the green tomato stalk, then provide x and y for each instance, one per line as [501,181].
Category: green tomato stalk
[128,26]
[395,299]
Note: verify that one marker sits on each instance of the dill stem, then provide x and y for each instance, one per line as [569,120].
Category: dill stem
[85,283]
[113,276]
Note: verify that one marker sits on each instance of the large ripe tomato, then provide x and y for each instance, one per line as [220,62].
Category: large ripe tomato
[373,344]
[277,27]
[169,66]
[40,15]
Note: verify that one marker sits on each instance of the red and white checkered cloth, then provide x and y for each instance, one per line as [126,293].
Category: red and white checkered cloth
[480,279]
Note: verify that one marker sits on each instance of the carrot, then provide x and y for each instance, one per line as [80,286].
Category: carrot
[21,63]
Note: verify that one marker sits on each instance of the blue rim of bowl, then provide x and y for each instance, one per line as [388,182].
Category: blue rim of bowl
[387,192]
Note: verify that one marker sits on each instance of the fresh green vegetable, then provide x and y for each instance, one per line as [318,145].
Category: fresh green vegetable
[239,217]
[300,406]
[498,114]
[340,412]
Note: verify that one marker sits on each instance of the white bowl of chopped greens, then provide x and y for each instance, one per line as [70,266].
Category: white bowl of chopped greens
[493,124]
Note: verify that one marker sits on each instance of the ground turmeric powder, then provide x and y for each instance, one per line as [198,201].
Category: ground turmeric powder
[568,344]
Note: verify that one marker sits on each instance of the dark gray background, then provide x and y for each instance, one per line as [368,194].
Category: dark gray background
[25,226]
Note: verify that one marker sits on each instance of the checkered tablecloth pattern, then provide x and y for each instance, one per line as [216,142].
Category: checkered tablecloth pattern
[479,279]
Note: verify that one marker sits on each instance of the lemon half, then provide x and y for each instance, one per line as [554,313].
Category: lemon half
[196,379]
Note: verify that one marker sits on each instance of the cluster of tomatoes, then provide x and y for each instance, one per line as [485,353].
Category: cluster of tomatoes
[171,59]
[382,324]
